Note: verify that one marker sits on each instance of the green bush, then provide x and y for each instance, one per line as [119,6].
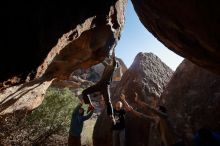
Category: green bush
[54,114]
[55,109]
[49,123]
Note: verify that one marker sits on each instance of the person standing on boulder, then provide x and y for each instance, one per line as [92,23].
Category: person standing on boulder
[103,86]
[76,125]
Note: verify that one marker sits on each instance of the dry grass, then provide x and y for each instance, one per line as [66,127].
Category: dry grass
[86,136]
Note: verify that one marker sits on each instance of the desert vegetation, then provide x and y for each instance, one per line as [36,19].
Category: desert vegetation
[48,124]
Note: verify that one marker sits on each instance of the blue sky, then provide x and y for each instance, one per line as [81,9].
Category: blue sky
[135,38]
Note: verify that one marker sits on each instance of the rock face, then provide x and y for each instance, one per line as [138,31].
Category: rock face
[22,98]
[190,28]
[60,30]
[82,78]
[148,77]
[53,38]
[192,98]
[99,68]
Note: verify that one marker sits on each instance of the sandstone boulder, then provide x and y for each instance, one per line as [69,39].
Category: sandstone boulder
[95,72]
[22,98]
[147,76]
[192,98]
[49,39]
[81,30]
[190,28]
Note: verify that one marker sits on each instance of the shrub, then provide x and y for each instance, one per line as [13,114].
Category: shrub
[51,117]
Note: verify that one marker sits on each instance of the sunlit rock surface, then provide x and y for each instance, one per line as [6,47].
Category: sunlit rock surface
[147,76]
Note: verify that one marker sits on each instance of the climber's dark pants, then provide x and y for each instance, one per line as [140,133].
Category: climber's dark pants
[104,88]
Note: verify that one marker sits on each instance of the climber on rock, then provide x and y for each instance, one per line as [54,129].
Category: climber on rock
[103,86]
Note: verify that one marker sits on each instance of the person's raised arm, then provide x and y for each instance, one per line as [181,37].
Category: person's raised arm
[125,103]
[88,115]
[77,107]
[136,113]
[147,106]
[114,59]
[113,53]
[143,116]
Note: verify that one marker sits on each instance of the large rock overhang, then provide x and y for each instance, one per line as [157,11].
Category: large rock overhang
[47,40]
[190,28]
